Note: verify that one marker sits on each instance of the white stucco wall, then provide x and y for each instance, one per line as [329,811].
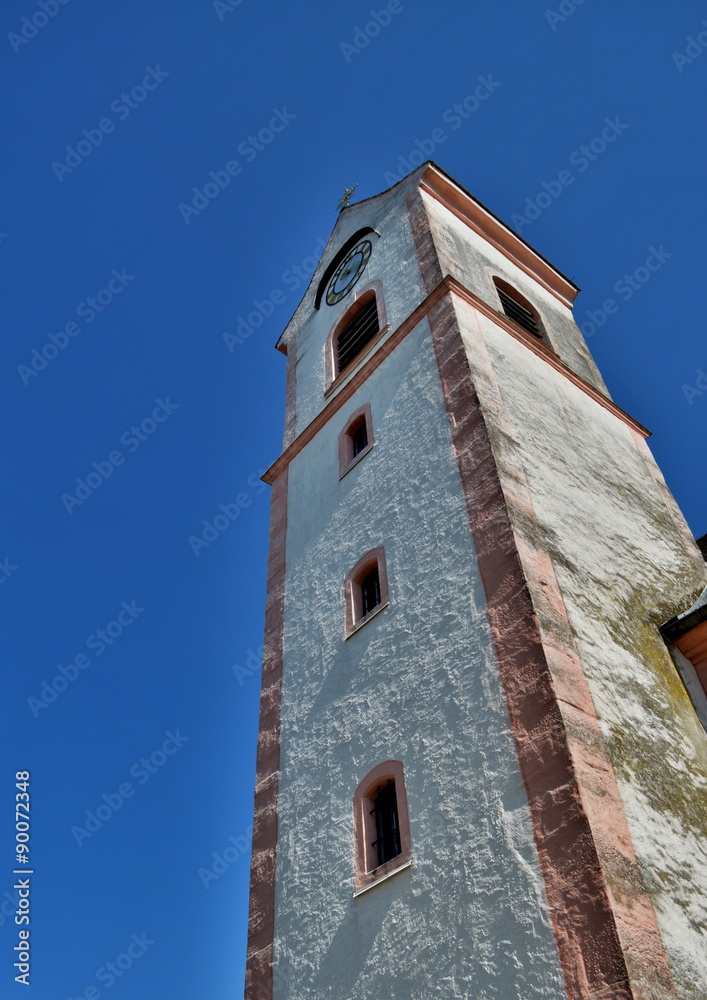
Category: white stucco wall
[418,683]
[393,262]
[622,569]
[474,262]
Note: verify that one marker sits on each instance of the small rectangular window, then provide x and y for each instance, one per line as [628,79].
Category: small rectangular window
[365,590]
[381,825]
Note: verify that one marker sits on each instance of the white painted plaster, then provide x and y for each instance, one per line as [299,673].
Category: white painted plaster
[393,262]
[473,262]
[418,683]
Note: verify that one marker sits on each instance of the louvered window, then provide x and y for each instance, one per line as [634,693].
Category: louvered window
[385,810]
[515,311]
[359,332]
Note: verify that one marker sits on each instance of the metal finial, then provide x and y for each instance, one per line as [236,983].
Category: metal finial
[346,197]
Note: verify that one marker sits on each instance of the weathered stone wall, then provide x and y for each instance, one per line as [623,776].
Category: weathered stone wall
[617,544]
[421,682]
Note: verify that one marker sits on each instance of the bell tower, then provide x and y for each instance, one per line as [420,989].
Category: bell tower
[481,769]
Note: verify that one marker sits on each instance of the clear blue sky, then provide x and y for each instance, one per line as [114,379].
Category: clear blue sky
[104,223]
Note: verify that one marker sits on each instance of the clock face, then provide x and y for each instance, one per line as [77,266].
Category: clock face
[348,272]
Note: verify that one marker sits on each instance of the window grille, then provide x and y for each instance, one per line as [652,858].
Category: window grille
[355,440]
[385,810]
[359,332]
[370,592]
[359,438]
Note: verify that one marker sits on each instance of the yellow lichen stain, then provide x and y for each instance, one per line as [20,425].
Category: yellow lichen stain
[639,754]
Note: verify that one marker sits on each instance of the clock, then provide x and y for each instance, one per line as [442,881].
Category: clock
[348,272]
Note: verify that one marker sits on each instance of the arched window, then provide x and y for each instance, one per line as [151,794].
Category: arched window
[381,824]
[360,327]
[517,308]
[356,439]
[365,589]
[362,323]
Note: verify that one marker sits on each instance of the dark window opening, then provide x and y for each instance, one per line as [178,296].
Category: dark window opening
[359,438]
[359,332]
[515,311]
[370,592]
[385,809]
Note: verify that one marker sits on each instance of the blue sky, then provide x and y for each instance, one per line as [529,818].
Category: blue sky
[116,372]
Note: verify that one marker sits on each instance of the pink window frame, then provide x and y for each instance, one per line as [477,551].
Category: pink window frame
[353,601]
[347,459]
[331,377]
[366,869]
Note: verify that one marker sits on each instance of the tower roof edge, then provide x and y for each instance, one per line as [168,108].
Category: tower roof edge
[436,182]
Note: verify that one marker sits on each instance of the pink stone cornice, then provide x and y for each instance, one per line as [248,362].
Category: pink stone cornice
[446,286]
[440,186]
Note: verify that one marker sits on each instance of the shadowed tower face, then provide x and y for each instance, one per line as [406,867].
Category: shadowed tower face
[479,766]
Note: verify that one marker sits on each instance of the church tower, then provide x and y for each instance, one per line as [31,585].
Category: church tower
[481,764]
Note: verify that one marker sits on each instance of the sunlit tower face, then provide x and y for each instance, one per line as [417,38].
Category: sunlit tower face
[471,552]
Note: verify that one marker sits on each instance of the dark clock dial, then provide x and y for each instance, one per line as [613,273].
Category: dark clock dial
[348,272]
